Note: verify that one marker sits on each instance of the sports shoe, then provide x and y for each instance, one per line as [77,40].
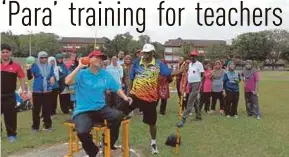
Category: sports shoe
[154,149]
[47,129]
[228,116]
[181,123]
[34,131]
[12,138]
[191,114]
[236,116]
[258,117]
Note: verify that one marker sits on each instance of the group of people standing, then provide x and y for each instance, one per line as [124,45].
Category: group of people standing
[110,91]
[203,84]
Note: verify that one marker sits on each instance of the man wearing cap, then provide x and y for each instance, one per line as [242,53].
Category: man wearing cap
[144,91]
[10,70]
[195,74]
[90,86]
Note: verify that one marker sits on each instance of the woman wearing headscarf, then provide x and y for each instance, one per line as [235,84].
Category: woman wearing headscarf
[64,94]
[55,87]
[251,82]
[164,91]
[231,82]
[43,83]
[217,86]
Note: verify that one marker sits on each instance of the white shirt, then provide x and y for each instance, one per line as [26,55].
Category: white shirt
[194,72]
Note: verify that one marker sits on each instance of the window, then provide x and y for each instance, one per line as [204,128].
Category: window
[169,50]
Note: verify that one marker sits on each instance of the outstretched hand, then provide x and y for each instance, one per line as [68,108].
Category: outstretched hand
[129,100]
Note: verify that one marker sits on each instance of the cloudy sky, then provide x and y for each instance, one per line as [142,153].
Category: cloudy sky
[188,30]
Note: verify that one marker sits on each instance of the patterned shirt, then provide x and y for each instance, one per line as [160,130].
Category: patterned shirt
[145,79]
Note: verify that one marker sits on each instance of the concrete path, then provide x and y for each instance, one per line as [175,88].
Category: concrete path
[60,151]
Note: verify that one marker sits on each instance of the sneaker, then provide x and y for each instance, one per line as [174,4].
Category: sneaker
[12,138]
[181,123]
[228,116]
[198,119]
[47,129]
[154,149]
[236,116]
[191,114]
[34,131]
[258,117]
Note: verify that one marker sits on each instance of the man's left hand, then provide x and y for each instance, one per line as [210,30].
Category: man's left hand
[128,99]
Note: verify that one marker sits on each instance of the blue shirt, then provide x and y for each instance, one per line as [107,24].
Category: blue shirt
[116,72]
[231,81]
[90,90]
[38,79]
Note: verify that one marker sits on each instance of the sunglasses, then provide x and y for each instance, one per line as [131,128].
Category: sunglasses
[43,57]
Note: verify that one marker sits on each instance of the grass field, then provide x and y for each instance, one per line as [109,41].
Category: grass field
[215,136]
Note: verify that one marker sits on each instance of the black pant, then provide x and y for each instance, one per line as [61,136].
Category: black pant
[205,99]
[215,97]
[54,100]
[163,106]
[112,99]
[231,103]
[85,121]
[8,108]
[178,84]
[42,102]
[65,103]
[185,102]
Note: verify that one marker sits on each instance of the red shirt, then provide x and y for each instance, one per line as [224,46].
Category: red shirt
[9,74]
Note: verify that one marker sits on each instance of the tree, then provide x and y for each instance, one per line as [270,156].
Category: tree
[159,50]
[255,46]
[144,39]
[12,40]
[186,49]
[219,51]
[280,41]
[47,42]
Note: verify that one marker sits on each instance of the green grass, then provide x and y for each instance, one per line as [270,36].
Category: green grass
[215,136]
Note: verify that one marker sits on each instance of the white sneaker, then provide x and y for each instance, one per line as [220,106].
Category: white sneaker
[258,117]
[236,116]
[228,116]
[191,114]
[154,149]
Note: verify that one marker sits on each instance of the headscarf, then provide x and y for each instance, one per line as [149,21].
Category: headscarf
[248,72]
[218,73]
[55,68]
[44,69]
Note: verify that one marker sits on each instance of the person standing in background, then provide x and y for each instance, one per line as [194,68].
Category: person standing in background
[195,75]
[120,60]
[206,88]
[231,82]
[179,77]
[126,68]
[217,86]
[116,71]
[64,94]
[44,80]
[71,60]
[10,71]
[55,87]
[164,91]
[251,79]
[71,87]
